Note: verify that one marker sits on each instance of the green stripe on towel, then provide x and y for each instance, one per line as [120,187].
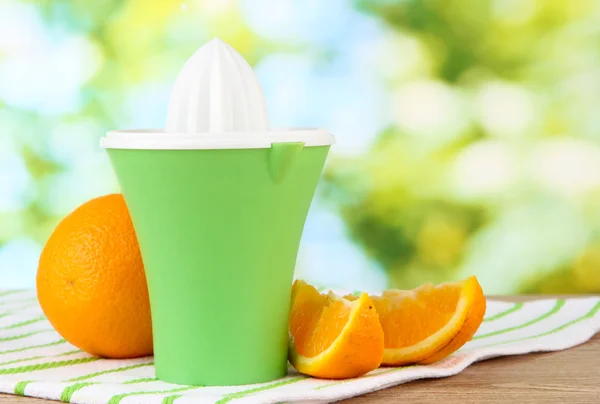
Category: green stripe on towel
[516,307]
[117,399]
[60,341]
[227,398]
[104,372]
[23,323]
[555,309]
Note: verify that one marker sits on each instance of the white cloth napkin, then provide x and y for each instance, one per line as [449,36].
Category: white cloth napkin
[35,361]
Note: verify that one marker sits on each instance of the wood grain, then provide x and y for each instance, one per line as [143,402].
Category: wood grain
[570,376]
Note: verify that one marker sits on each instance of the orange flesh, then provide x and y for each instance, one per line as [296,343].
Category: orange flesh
[331,337]
[334,337]
[428,323]
[409,320]
[316,322]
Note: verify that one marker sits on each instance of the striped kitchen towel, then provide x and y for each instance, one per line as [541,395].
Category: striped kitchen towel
[36,361]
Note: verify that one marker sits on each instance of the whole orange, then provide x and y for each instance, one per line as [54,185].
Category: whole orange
[91,282]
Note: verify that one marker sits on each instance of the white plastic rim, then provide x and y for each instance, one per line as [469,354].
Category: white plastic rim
[159,140]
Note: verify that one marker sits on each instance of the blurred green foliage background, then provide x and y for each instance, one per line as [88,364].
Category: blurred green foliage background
[468,131]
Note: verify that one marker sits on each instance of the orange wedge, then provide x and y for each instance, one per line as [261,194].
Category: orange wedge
[332,337]
[428,323]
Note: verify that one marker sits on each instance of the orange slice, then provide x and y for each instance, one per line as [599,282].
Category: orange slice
[428,323]
[332,337]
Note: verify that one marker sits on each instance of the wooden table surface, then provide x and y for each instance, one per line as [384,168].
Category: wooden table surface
[571,376]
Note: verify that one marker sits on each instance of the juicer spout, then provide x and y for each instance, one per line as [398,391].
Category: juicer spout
[281,159]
